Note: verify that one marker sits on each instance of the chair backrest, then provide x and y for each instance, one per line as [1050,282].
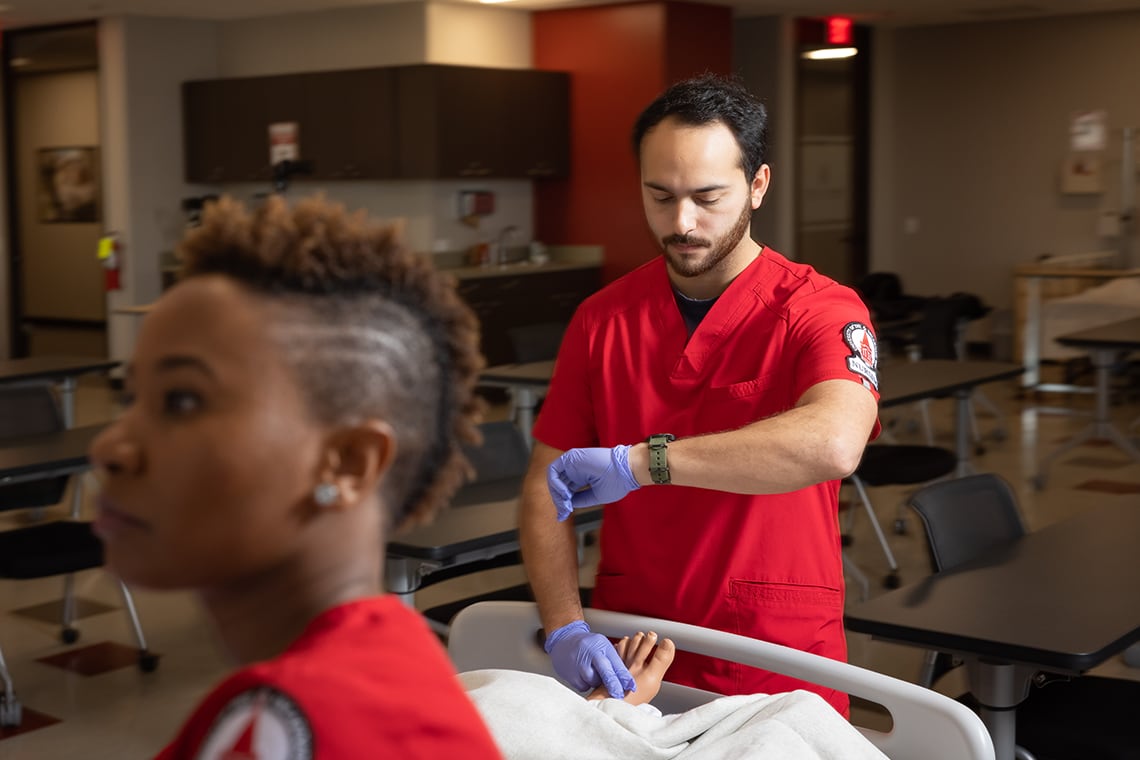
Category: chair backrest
[30,409]
[966,517]
[937,331]
[500,463]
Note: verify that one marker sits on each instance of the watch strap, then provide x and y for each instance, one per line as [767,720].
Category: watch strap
[658,460]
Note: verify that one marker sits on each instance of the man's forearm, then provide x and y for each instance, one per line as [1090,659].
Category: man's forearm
[821,439]
[549,548]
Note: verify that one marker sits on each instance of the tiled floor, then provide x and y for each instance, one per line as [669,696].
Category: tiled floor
[99,705]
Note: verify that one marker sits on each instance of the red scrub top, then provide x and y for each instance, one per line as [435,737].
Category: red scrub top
[769,567]
[365,679]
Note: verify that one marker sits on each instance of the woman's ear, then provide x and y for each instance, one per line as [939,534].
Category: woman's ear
[356,459]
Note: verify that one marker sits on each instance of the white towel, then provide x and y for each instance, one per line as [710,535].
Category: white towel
[535,716]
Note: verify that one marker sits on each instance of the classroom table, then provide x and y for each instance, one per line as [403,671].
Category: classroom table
[904,382]
[1103,344]
[527,382]
[1062,600]
[460,536]
[47,455]
[60,369]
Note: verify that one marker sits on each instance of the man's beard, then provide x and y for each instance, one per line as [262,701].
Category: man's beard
[717,251]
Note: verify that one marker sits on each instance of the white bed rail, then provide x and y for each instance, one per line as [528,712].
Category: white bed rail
[926,724]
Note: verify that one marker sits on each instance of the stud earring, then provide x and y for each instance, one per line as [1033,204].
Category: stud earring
[326,494]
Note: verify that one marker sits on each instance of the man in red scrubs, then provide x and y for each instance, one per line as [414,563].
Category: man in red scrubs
[714,398]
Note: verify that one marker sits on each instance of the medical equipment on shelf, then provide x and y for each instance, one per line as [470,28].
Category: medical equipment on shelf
[926,724]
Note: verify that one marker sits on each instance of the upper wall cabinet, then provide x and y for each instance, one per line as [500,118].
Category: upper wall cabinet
[346,124]
[461,121]
[414,122]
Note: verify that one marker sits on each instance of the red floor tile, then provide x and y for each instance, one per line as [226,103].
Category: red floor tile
[32,720]
[1109,486]
[94,659]
[52,612]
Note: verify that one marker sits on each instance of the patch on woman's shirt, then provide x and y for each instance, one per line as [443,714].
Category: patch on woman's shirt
[864,358]
[261,723]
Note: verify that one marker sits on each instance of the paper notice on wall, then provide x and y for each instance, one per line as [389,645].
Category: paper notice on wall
[1088,131]
[284,142]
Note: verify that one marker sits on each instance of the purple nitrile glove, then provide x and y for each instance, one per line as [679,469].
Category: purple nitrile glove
[585,660]
[587,477]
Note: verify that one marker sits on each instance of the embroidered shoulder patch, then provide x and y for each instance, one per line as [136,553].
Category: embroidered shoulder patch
[261,723]
[864,358]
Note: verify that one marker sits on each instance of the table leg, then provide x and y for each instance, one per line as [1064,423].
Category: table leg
[401,577]
[67,401]
[962,432]
[999,689]
[1031,344]
[1101,428]
[525,402]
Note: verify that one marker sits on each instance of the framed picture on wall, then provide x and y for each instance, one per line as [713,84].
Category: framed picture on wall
[68,184]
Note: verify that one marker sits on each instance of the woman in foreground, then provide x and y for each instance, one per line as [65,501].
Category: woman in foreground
[296,399]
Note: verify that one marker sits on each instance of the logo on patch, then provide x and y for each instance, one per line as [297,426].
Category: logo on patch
[864,358]
[261,723]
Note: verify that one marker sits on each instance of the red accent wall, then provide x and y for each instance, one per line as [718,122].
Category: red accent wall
[620,57]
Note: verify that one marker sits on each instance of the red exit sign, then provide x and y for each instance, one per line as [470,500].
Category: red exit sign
[839,30]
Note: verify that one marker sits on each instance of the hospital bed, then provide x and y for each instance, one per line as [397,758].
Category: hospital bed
[926,724]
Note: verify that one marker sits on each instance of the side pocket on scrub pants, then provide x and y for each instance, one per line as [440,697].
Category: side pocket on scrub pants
[804,617]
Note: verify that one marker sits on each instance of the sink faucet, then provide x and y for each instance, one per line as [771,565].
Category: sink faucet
[505,235]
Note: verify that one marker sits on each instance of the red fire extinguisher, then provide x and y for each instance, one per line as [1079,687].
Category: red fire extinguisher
[111,256]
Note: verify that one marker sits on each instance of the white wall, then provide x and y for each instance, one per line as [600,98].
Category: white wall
[345,38]
[142,63]
[969,146]
[763,56]
[476,35]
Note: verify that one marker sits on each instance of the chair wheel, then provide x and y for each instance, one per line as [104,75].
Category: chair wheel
[846,540]
[69,635]
[11,715]
[147,662]
[900,527]
[979,450]
[892,581]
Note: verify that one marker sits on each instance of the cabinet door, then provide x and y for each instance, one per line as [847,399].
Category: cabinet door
[226,124]
[349,130]
[537,120]
[452,121]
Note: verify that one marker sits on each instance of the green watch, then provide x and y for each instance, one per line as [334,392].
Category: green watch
[658,465]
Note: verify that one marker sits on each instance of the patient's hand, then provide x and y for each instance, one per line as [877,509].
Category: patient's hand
[646,664]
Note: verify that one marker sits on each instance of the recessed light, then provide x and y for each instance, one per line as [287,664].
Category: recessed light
[829,54]
[19,62]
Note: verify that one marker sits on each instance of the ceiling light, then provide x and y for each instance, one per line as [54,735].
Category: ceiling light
[20,62]
[828,54]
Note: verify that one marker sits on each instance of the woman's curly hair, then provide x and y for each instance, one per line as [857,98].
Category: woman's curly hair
[369,329]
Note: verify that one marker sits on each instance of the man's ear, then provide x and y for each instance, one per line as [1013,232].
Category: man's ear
[355,460]
[760,185]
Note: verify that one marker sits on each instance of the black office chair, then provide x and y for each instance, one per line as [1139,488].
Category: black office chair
[940,335]
[885,464]
[53,547]
[1086,717]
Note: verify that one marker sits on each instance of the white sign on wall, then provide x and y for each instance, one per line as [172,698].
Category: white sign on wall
[284,142]
[1088,131]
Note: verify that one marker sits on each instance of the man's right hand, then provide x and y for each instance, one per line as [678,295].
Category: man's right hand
[585,660]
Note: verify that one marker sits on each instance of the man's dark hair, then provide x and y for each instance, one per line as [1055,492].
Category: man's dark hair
[709,99]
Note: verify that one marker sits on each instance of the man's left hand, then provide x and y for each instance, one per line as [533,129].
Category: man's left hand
[583,478]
